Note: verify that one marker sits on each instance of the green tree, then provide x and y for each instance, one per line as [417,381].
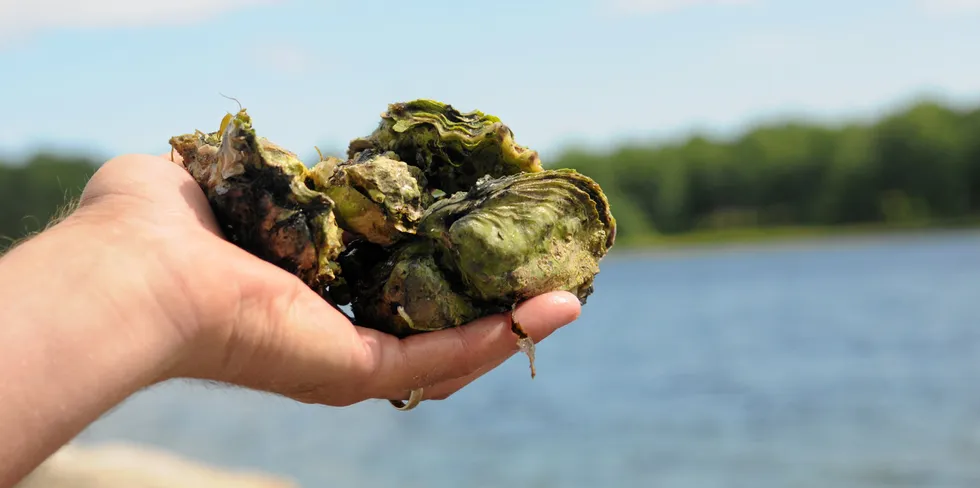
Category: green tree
[31,194]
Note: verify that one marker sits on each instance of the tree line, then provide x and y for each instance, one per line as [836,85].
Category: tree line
[920,163]
[34,191]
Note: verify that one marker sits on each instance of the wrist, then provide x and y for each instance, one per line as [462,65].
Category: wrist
[77,282]
[74,331]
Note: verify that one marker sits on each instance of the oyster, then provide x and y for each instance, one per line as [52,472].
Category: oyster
[376,197]
[403,290]
[454,149]
[436,219]
[516,237]
[258,193]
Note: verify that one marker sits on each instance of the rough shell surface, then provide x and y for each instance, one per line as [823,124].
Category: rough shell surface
[516,237]
[454,149]
[378,198]
[257,192]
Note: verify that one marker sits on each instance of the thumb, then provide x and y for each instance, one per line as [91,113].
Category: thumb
[451,358]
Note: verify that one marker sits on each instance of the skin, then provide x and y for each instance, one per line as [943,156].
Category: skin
[137,286]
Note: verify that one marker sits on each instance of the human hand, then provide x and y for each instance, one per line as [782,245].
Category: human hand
[244,321]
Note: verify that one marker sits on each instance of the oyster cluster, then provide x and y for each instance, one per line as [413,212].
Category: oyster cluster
[435,219]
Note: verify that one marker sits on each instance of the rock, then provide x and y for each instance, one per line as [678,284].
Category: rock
[130,466]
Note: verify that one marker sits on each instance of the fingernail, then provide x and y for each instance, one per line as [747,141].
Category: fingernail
[563,297]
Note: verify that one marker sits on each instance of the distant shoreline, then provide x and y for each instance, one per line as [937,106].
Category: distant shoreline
[779,238]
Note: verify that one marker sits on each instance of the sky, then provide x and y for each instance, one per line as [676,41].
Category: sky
[106,77]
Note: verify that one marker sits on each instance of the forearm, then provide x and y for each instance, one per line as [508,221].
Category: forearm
[68,351]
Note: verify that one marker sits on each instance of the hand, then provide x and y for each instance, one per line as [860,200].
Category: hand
[244,321]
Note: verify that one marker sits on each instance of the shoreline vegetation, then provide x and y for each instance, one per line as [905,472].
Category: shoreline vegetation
[781,238]
[915,169]
[795,234]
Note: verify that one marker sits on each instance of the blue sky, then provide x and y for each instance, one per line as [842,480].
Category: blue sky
[112,76]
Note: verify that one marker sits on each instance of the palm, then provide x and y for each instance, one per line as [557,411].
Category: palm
[164,201]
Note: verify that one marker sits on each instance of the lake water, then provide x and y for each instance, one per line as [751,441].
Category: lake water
[837,364]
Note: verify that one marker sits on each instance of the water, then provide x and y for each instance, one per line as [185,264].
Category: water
[831,365]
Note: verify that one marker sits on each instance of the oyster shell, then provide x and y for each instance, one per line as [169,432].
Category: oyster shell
[403,290]
[516,237]
[454,149]
[376,197]
[257,192]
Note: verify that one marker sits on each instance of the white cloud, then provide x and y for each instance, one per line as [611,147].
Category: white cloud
[664,6]
[23,18]
[949,6]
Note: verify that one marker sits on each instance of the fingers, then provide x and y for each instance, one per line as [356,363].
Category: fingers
[445,389]
[301,347]
[454,357]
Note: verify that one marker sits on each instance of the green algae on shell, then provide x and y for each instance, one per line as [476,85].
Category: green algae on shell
[516,237]
[506,240]
[484,251]
[403,291]
[259,197]
[454,149]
